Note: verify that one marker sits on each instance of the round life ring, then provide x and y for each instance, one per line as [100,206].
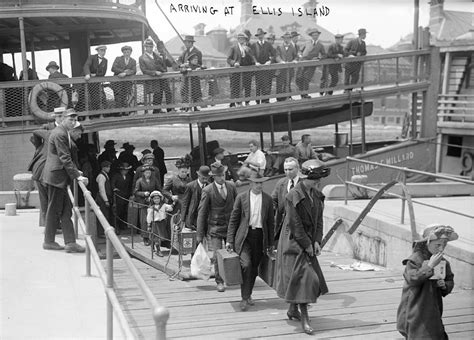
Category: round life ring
[467,162]
[40,88]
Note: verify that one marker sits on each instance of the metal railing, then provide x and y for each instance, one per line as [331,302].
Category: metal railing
[209,89]
[403,173]
[159,313]
[456,107]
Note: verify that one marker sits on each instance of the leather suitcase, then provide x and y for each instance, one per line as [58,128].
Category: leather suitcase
[266,269]
[229,267]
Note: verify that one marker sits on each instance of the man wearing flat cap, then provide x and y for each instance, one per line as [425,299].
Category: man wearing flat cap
[264,54]
[154,64]
[214,212]
[312,50]
[336,52]
[96,66]
[354,48]
[59,171]
[240,55]
[122,67]
[192,197]
[250,233]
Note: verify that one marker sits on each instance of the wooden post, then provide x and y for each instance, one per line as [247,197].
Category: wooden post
[202,152]
[430,99]
[60,60]
[290,134]
[261,141]
[447,62]
[362,125]
[191,136]
[272,132]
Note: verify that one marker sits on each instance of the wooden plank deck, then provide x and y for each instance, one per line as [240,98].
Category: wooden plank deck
[359,305]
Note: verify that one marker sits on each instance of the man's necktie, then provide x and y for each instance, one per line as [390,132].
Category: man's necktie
[292,184]
[222,192]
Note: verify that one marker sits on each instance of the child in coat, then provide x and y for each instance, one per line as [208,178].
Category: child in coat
[428,278]
[156,219]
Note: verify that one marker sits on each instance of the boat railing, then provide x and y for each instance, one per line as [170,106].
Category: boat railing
[402,177]
[212,90]
[456,108]
[159,313]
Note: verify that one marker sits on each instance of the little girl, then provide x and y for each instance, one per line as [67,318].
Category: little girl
[428,278]
[156,218]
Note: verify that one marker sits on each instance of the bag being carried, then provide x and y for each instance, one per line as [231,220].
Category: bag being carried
[201,263]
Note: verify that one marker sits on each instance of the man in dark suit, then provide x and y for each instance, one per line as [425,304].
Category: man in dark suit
[313,50]
[53,69]
[122,67]
[32,75]
[214,212]
[109,154]
[230,173]
[336,52]
[250,233]
[190,50]
[192,197]
[280,191]
[240,55]
[354,48]
[286,53]
[159,160]
[122,186]
[264,54]
[58,171]
[96,66]
[190,59]
[154,64]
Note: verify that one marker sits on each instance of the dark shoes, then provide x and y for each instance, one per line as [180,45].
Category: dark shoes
[293,312]
[305,319]
[74,248]
[250,301]
[52,246]
[220,287]
[158,251]
[244,305]
[146,242]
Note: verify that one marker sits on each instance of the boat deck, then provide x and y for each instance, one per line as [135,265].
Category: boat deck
[359,305]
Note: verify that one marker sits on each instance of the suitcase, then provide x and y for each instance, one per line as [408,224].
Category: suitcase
[266,269]
[229,267]
[184,241]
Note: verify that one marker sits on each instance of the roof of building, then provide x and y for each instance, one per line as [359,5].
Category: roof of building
[455,23]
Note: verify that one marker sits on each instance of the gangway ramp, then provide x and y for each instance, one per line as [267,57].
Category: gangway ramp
[359,305]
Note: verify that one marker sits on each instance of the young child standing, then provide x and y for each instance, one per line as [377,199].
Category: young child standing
[428,278]
[156,219]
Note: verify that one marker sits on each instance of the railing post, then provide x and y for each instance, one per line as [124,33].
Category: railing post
[88,216]
[110,284]
[404,181]
[76,200]
[345,182]
[161,316]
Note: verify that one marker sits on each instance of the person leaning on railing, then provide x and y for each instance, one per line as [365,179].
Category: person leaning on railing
[264,54]
[122,67]
[189,60]
[96,66]
[285,53]
[354,48]
[336,52]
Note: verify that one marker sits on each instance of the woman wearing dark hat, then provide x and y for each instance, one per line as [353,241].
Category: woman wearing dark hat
[298,276]
[145,185]
[53,69]
[428,278]
[147,161]
[175,186]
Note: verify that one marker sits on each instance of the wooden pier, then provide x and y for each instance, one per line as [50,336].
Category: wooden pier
[359,305]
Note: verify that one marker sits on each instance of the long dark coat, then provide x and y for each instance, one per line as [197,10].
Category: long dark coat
[303,225]
[190,204]
[421,307]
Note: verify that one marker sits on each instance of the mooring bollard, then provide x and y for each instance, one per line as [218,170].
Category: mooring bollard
[10,209]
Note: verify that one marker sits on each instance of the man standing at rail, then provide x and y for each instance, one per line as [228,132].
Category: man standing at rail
[265,55]
[313,50]
[122,67]
[354,48]
[58,172]
[96,66]
[214,213]
[336,52]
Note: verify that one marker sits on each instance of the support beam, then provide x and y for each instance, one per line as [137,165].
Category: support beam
[272,133]
[430,99]
[191,139]
[261,141]
[202,146]
[362,125]
[290,132]
[447,62]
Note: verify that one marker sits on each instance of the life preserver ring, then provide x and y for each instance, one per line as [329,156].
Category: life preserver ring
[467,162]
[41,87]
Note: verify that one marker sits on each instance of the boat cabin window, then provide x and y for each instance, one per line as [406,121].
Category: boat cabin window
[453,150]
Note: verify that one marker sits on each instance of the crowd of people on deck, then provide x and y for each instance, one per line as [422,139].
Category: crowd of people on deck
[156,60]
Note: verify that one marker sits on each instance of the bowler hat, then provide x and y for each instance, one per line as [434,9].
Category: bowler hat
[218,151]
[260,31]
[204,171]
[437,231]
[294,34]
[101,47]
[124,166]
[126,47]
[148,42]
[313,30]
[189,38]
[52,64]
[314,169]
[127,145]
[217,169]
[109,143]
[362,31]
[105,164]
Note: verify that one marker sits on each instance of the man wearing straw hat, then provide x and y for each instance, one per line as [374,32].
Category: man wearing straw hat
[96,66]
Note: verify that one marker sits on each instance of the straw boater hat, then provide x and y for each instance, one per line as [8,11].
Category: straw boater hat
[438,231]
[156,193]
[314,169]
[52,64]
[59,110]
[101,47]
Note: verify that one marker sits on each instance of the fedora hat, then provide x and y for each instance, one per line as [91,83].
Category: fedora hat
[52,64]
[217,169]
[294,34]
[105,164]
[313,30]
[204,171]
[362,31]
[189,38]
[260,31]
[257,178]
[314,169]
[124,166]
[288,35]
[127,145]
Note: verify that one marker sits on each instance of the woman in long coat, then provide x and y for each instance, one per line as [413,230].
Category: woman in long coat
[299,279]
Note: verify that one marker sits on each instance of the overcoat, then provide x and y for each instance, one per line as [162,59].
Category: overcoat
[94,66]
[214,211]
[176,186]
[191,198]
[119,66]
[59,168]
[278,201]
[240,217]
[421,307]
[303,225]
